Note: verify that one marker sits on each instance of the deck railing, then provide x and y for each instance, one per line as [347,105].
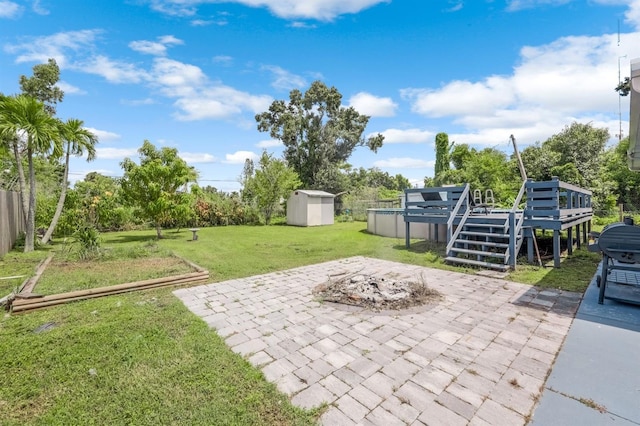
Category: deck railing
[556,200]
[434,202]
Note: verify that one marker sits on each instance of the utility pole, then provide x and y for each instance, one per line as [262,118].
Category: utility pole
[619,97]
[523,172]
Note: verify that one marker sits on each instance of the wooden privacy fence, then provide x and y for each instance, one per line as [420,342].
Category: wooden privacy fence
[11,220]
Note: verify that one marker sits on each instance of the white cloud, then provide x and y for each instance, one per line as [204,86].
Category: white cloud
[9,9]
[113,71]
[404,163]
[457,6]
[115,153]
[299,24]
[407,136]
[239,157]
[223,59]
[177,78]
[70,89]
[37,8]
[193,158]
[205,22]
[632,15]
[269,143]
[104,135]
[76,175]
[461,97]
[148,47]
[197,98]
[218,102]
[322,10]
[368,104]
[571,78]
[515,5]
[156,48]
[138,102]
[283,79]
[57,46]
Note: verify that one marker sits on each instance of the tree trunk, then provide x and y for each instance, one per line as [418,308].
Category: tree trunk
[63,194]
[31,216]
[159,231]
[21,179]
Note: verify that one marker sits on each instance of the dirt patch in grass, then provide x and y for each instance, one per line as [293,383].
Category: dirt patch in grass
[64,276]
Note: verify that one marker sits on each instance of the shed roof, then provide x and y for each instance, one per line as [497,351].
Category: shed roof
[314,193]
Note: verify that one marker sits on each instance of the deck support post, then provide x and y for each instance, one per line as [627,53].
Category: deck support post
[570,241]
[407,237]
[556,248]
[528,233]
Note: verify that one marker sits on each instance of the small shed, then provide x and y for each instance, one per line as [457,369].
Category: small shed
[306,207]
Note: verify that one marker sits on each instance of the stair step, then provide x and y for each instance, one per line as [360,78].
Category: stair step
[477,222]
[484,234]
[498,266]
[482,243]
[478,252]
[485,225]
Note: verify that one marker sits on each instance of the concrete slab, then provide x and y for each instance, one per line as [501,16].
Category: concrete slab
[596,377]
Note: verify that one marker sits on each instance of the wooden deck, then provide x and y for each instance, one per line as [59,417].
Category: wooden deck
[551,205]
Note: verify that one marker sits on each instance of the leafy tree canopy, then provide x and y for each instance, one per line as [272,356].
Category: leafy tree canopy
[42,85]
[317,131]
[153,185]
[579,144]
[270,182]
[488,168]
[376,178]
[443,148]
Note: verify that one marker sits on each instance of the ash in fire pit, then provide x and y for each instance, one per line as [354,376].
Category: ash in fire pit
[376,293]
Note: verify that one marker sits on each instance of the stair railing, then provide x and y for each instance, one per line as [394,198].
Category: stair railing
[463,200]
[515,227]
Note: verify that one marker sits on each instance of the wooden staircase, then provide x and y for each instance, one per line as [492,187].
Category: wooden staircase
[488,239]
[484,240]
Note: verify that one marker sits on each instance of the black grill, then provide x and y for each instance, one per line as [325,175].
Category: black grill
[619,278]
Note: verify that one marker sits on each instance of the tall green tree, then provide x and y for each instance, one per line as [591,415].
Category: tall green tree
[42,85]
[484,169]
[78,140]
[272,180]
[23,117]
[443,148]
[153,185]
[539,160]
[615,170]
[318,133]
[583,145]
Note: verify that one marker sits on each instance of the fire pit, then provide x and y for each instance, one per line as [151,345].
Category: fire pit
[376,293]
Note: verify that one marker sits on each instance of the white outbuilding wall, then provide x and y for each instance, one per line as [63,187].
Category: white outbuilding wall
[306,207]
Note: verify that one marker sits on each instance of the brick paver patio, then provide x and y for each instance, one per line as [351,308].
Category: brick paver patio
[480,356]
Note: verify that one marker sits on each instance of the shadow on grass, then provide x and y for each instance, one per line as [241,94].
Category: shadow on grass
[578,269]
[422,247]
[145,238]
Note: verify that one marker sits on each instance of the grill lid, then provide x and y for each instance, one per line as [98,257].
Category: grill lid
[621,242]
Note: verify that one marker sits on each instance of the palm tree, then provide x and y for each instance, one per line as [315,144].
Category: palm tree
[11,142]
[23,117]
[78,140]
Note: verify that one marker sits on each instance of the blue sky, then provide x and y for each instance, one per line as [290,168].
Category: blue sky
[192,74]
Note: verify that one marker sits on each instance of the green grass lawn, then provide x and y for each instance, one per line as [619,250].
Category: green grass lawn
[144,359]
